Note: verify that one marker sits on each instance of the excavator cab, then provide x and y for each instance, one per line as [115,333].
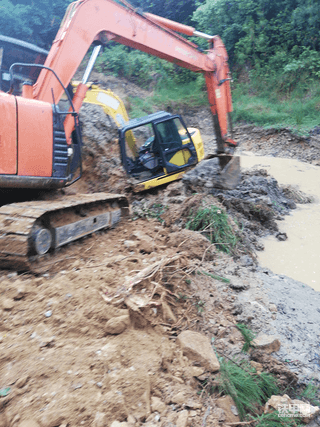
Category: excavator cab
[158,148]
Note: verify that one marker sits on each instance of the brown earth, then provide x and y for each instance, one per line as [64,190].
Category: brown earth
[93,341]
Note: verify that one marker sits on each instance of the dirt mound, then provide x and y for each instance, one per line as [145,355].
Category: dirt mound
[279,143]
[92,343]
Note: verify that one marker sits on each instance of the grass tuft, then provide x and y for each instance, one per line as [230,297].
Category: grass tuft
[248,336]
[248,390]
[213,222]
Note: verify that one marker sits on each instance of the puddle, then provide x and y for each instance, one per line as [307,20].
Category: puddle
[299,256]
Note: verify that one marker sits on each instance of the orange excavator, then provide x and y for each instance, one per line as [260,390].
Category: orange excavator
[40,143]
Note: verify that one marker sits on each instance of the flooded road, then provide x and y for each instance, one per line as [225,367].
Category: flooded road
[297,257]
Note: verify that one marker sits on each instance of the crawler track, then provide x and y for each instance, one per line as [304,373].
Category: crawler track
[30,232]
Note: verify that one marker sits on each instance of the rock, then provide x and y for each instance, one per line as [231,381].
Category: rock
[130,244]
[131,420]
[258,366]
[197,348]
[7,304]
[306,411]
[273,308]
[182,419]
[281,236]
[146,246]
[116,325]
[22,381]
[239,284]
[48,313]
[29,423]
[118,424]
[267,343]
[228,406]
[100,420]
[274,402]
[179,398]
[157,405]
[195,371]
[20,291]
[284,405]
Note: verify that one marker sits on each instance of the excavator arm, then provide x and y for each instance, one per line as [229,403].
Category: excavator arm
[99,21]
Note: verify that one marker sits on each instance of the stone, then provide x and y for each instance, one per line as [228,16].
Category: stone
[131,420]
[197,348]
[100,420]
[239,284]
[22,381]
[267,343]
[273,308]
[118,424]
[157,405]
[146,246]
[196,371]
[7,304]
[275,401]
[29,423]
[116,325]
[130,244]
[257,366]
[20,291]
[226,403]
[182,419]
[305,411]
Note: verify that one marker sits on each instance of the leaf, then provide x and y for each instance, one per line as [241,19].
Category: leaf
[5,391]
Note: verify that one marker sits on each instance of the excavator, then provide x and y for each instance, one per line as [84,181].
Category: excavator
[40,142]
[144,174]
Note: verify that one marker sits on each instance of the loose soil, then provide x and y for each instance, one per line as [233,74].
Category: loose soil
[93,341]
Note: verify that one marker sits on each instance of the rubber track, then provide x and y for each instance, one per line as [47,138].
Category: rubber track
[17,220]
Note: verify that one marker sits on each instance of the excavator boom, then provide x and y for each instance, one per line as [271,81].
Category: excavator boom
[99,21]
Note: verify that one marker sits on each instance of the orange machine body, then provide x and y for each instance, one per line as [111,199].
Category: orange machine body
[26,143]
[8,134]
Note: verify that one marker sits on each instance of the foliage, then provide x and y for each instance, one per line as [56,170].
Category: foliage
[141,68]
[248,336]
[273,420]
[247,389]
[176,10]
[35,22]
[311,393]
[213,222]
[254,31]
[258,102]
[215,276]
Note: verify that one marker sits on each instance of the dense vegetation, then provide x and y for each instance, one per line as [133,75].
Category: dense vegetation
[273,48]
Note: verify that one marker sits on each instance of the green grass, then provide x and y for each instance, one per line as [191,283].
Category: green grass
[248,390]
[248,336]
[298,111]
[257,102]
[213,223]
[312,393]
[169,96]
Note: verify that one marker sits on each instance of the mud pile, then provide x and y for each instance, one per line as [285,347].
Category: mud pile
[102,169]
[100,338]
[279,143]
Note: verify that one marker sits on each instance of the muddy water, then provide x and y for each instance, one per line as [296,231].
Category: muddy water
[299,256]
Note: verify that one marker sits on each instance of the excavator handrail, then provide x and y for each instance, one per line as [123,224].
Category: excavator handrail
[23,64]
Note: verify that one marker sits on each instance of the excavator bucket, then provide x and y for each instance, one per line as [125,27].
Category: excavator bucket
[228,177]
